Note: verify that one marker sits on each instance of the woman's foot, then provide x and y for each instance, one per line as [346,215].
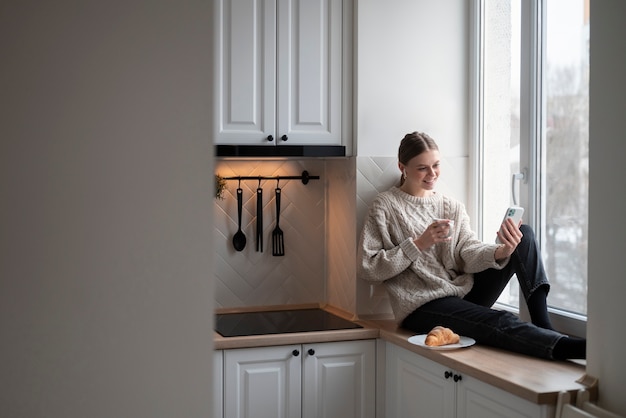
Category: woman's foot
[570,348]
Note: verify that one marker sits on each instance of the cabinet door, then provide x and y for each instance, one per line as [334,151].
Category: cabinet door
[310,45]
[339,380]
[218,383]
[245,36]
[262,382]
[417,387]
[477,399]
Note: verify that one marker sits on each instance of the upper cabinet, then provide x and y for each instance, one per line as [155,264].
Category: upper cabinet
[283,74]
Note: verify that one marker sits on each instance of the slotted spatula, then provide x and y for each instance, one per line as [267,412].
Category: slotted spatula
[278,241]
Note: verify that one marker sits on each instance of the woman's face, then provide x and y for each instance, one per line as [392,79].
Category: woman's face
[421,173]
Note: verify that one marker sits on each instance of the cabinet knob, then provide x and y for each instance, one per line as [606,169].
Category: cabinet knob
[270,138]
[284,138]
[311,352]
[448,374]
[457,377]
[295,353]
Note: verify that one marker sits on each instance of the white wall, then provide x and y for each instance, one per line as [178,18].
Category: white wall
[105,178]
[412,66]
[607,230]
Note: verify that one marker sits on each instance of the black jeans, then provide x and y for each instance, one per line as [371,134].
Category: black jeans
[473,316]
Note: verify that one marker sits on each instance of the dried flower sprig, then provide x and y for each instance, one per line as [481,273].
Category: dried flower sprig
[220,185]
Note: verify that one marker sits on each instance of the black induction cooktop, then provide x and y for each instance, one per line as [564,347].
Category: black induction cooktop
[279,322]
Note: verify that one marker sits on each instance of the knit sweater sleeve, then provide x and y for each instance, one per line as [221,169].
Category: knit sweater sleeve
[471,254]
[381,255]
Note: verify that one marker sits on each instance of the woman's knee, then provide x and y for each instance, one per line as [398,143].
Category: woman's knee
[528,234]
[527,231]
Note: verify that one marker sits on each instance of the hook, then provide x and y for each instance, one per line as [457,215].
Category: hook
[259,186]
[277,181]
[239,184]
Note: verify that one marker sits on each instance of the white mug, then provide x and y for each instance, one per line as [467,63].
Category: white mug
[450,223]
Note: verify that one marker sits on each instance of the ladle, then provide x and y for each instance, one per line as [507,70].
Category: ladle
[239,239]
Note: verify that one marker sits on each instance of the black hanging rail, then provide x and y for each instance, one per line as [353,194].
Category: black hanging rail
[305,177]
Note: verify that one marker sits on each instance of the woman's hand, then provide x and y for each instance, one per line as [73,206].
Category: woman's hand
[510,236]
[438,231]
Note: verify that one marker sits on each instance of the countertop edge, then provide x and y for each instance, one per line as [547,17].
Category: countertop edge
[224,343]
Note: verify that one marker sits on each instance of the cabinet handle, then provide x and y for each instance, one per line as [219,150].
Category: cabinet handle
[311,352]
[295,353]
[457,377]
[447,374]
[284,138]
[270,138]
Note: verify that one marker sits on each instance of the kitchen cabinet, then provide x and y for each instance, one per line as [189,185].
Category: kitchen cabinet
[280,78]
[335,379]
[339,380]
[419,387]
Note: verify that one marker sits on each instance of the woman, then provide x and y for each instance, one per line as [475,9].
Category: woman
[420,245]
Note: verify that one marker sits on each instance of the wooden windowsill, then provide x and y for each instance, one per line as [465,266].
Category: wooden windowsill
[533,379]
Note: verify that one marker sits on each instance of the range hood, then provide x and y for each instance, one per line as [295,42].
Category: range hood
[280,151]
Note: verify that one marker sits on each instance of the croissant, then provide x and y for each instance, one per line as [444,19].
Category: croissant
[441,336]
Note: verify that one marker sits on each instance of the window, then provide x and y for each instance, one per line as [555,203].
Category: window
[532,137]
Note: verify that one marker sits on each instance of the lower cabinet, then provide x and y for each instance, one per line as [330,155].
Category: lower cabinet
[335,379]
[418,387]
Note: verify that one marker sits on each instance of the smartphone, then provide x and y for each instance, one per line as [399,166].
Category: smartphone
[514,212]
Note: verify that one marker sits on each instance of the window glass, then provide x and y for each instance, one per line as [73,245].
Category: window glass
[564,241]
[501,118]
[561,176]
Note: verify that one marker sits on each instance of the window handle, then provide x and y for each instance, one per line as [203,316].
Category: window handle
[518,177]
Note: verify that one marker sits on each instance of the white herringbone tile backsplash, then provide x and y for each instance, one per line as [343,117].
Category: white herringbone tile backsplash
[374,175]
[251,278]
[341,233]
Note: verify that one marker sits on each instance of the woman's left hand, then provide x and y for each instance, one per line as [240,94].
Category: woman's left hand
[510,236]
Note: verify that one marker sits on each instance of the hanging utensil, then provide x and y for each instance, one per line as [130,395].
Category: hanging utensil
[239,239]
[278,241]
[259,218]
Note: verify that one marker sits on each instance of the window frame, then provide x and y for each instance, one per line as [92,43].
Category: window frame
[532,133]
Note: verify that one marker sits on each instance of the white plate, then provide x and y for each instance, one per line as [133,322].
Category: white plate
[419,340]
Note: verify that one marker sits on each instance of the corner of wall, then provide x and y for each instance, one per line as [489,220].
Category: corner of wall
[340,233]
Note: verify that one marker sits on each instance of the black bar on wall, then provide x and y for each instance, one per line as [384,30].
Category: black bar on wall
[305,177]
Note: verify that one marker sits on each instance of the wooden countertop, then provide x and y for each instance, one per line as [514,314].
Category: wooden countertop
[530,378]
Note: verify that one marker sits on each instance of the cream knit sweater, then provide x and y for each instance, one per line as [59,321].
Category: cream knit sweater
[412,277]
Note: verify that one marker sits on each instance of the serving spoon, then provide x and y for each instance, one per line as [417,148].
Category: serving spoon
[239,239]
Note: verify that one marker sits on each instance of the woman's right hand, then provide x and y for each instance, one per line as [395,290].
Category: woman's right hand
[509,237]
[438,231]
